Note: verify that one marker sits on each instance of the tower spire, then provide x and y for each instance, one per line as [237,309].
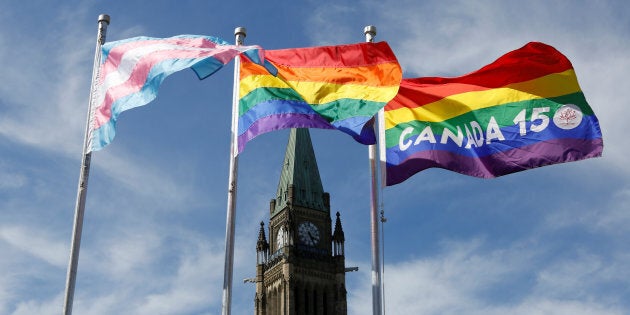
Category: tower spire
[300,183]
[262,247]
[338,238]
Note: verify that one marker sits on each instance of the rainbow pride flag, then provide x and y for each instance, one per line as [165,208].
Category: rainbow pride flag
[331,87]
[524,110]
[133,69]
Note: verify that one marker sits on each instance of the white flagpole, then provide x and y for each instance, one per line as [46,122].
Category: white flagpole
[239,34]
[370,32]
[103,22]
[380,123]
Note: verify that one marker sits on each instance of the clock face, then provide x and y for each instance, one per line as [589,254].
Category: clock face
[308,233]
[280,238]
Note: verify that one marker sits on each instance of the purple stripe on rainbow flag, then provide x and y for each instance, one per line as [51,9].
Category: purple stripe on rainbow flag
[507,162]
[281,121]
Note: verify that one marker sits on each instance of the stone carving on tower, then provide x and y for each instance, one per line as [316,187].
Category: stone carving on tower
[301,270]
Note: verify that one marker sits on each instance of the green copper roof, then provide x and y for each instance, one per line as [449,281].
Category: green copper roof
[300,170]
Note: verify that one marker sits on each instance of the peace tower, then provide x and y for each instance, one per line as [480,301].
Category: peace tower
[301,270]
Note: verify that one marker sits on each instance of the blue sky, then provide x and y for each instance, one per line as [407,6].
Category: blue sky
[554,240]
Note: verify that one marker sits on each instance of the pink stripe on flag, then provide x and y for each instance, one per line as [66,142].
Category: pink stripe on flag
[138,76]
[115,54]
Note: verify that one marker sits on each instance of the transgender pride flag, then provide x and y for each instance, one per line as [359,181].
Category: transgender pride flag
[132,70]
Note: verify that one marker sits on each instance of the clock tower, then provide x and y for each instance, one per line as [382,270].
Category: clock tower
[301,270]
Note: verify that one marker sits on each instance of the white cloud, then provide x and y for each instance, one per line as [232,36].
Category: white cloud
[34,110]
[135,278]
[195,286]
[31,261]
[612,217]
[130,252]
[38,243]
[325,33]
[458,280]
[39,307]
[44,96]
[616,219]
[11,180]
[135,176]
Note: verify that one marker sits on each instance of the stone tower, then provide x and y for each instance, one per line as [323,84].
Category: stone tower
[302,269]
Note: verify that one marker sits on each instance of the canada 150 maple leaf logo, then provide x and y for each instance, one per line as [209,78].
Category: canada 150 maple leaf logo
[568,116]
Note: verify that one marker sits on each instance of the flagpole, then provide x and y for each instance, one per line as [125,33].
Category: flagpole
[239,34]
[103,22]
[370,32]
[380,123]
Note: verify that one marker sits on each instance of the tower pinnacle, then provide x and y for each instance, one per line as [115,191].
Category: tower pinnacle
[300,183]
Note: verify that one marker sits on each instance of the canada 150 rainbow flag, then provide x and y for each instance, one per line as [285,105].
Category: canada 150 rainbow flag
[524,110]
[331,87]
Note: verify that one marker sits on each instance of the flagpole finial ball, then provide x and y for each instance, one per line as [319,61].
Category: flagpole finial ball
[370,29]
[240,31]
[103,18]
